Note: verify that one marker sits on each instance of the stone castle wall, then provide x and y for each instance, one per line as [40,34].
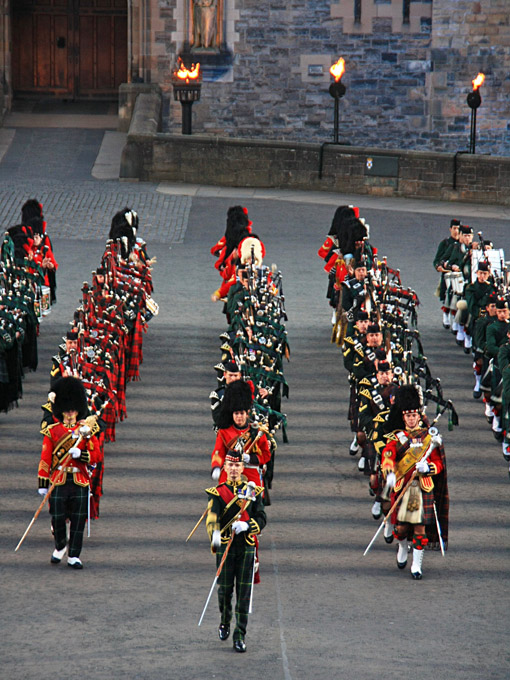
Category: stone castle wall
[406,82]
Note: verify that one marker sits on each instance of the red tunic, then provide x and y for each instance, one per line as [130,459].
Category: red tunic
[225,441]
[56,444]
[392,454]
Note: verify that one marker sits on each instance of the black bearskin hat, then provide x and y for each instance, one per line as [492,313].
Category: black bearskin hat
[70,395]
[36,224]
[31,208]
[238,397]
[407,398]
[237,228]
[22,238]
[343,214]
[123,229]
[348,229]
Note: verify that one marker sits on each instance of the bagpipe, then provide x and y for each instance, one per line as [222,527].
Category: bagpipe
[109,322]
[395,308]
[24,301]
[256,339]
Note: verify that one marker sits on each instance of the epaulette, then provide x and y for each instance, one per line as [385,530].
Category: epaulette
[391,437]
[47,406]
[258,490]
[46,429]
[213,395]
[379,418]
[213,491]
[365,381]
[365,393]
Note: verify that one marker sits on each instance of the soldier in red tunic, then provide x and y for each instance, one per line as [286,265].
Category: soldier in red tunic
[236,432]
[414,467]
[69,446]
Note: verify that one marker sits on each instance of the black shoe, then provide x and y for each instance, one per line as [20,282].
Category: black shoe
[224,631]
[239,646]
[416,575]
[467,350]
[460,343]
[477,394]
[389,539]
[446,325]
[498,436]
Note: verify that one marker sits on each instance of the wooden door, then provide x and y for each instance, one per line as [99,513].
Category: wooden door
[69,48]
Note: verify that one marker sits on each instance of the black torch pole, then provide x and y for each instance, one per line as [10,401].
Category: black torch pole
[186,117]
[474,100]
[472,137]
[335,123]
[336,90]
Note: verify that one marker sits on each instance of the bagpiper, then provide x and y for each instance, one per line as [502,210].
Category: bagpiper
[414,467]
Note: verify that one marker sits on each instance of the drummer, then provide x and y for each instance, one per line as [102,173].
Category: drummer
[457,263]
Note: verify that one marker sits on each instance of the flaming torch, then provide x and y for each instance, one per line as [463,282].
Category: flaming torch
[474,100]
[187,84]
[337,90]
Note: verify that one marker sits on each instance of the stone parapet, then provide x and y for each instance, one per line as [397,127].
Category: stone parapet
[234,162]
[137,154]
[128,94]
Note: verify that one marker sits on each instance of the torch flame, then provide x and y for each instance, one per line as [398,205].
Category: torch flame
[338,69]
[478,81]
[184,74]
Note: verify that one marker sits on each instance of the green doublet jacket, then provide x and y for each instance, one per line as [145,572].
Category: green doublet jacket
[225,503]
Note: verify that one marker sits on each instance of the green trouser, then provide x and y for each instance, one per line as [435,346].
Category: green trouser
[69,501]
[238,569]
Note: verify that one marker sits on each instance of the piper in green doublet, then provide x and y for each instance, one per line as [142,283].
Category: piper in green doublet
[235,517]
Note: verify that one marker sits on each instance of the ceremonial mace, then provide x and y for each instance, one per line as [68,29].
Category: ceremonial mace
[250,486]
[84,433]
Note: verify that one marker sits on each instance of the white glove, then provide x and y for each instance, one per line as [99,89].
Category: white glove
[239,526]
[42,492]
[391,480]
[216,540]
[246,458]
[75,452]
[437,440]
[423,467]
[215,474]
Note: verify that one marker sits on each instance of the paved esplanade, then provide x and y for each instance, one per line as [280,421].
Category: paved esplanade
[322,610]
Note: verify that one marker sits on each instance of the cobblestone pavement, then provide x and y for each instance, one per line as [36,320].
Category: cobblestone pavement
[77,207]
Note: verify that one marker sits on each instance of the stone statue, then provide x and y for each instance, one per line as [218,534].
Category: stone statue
[204,23]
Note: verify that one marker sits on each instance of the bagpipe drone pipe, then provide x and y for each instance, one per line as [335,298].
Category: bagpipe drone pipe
[387,302]
[26,294]
[255,341]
